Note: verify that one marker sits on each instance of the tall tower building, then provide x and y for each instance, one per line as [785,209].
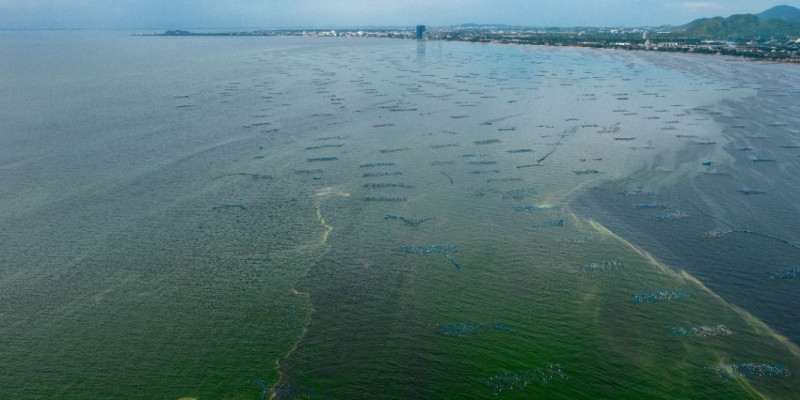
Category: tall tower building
[420,31]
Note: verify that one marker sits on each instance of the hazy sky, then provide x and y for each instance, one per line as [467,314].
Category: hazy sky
[163,14]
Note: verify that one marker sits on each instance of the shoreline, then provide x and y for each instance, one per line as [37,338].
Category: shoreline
[795,60]
[708,49]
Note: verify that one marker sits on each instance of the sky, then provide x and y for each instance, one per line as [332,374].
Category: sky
[185,14]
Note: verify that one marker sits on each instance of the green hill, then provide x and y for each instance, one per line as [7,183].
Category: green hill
[785,13]
[739,27]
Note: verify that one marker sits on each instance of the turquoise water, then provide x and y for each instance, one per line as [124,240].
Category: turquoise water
[206,217]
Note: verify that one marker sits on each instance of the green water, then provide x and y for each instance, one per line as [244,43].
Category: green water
[167,236]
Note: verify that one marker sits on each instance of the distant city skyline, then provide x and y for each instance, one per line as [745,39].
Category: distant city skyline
[173,14]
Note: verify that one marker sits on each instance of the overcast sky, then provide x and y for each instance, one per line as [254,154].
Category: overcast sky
[164,14]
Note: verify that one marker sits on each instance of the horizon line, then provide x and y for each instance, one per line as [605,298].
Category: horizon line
[352,27]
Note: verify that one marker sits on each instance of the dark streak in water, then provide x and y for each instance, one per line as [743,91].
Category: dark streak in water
[768,236]
[539,161]
[448,177]
[230,206]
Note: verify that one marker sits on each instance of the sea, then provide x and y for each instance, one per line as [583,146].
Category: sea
[355,218]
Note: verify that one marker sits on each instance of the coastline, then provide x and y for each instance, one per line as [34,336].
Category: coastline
[713,48]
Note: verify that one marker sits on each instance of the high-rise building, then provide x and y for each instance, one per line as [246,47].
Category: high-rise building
[420,31]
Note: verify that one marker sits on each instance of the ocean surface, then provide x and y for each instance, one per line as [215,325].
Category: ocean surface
[329,218]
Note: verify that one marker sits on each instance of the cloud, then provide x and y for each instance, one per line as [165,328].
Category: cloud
[700,5]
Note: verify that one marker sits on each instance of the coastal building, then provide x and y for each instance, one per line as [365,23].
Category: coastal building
[420,31]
